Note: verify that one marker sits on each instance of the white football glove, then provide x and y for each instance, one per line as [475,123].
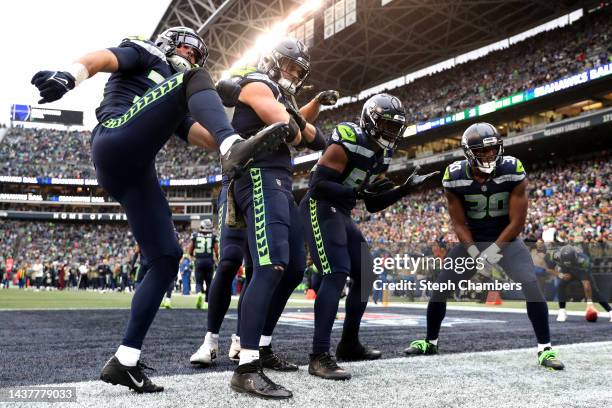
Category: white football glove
[492,254]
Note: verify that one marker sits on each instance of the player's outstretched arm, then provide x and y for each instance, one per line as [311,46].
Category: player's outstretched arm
[326,180]
[52,85]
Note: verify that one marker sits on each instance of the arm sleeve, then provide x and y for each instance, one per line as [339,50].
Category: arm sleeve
[383,200]
[325,184]
[182,130]
[319,141]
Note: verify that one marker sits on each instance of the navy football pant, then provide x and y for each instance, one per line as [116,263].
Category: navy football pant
[123,152]
[203,275]
[518,265]
[276,245]
[232,252]
[338,250]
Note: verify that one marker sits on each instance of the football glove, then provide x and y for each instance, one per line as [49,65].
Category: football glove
[415,179]
[327,98]
[367,190]
[52,85]
[297,116]
[492,254]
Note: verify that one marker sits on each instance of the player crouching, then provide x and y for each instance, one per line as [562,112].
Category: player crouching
[487,204]
[352,167]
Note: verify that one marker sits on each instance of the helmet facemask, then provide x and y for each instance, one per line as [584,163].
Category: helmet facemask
[171,39]
[384,128]
[486,156]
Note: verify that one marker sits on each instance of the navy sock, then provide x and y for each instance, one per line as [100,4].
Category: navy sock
[537,311]
[291,278]
[255,304]
[436,310]
[148,297]
[326,307]
[220,294]
[248,273]
[206,108]
[354,312]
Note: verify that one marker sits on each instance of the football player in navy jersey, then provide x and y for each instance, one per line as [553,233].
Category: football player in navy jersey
[572,264]
[155,90]
[205,248]
[352,167]
[487,204]
[232,243]
[264,198]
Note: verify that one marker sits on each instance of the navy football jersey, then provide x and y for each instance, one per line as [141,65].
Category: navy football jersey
[247,123]
[485,205]
[142,66]
[203,244]
[364,162]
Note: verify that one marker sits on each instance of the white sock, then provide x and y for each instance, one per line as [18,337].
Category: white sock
[227,143]
[212,339]
[541,347]
[265,341]
[247,356]
[434,342]
[128,356]
[562,309]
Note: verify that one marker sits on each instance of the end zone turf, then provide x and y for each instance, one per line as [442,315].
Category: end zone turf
[503,378]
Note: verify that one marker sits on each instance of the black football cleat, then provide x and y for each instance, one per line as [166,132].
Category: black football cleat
[240,155]
[324,365]
[269,359]
[548,358]
[356,352]
[250,379]
[421,348]
[132,377]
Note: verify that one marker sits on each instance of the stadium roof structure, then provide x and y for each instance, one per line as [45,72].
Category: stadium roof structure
[385,42]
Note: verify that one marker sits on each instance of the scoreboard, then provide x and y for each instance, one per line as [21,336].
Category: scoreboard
[28,113]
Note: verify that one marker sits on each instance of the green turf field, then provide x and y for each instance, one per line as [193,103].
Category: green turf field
[69,299]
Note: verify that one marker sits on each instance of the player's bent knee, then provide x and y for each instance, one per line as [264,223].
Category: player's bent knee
[197,80]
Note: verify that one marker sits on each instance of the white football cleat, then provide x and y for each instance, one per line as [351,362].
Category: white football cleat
[562,315]
[234,351]
[205,355]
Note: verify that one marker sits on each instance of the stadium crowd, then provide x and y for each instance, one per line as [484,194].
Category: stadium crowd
[541,59]
[535,61]
[569,202]
[67,154]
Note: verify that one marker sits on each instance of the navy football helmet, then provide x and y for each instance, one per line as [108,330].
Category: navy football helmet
[174,37]
[274,64]
[477,142]
[383,119]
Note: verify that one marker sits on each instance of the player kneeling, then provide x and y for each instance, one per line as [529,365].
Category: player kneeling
[487,203]
[351,168]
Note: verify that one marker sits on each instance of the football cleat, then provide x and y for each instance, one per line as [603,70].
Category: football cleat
[234,351]
[132,377]
[205,355]
[324,365]
[421,348]
[199,300]
[562,315]
[269,359]
[356,352]
[548,358]
[240,155]
[250,379]
[166,303]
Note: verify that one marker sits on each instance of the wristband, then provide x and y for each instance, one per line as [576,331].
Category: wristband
[79,72]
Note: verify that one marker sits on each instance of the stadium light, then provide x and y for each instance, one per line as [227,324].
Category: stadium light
[266,40]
